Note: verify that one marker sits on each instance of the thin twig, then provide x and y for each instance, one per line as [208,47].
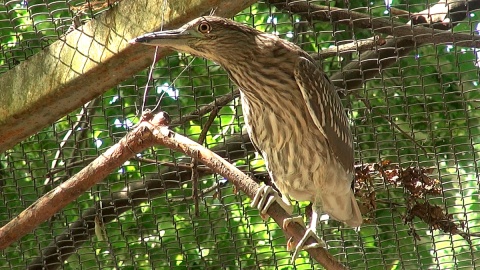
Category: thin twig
[355,46]
[206,126]
[397,127]
[195,187]
[70,165]
[388,202]
[399,12]
[150,77]
[366,102]
[150,72]
[80,124]
[218,102]
[201,140]
[173,83]
[466,236]
[203,192]
[173,164]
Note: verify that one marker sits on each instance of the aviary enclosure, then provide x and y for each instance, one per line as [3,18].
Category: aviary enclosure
[86,182]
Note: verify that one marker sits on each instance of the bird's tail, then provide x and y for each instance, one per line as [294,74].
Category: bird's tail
[343,209]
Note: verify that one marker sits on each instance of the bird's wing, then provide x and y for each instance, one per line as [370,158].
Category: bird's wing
[325,109]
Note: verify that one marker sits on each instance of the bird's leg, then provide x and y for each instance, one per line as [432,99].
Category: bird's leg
[265,197]
[310,232]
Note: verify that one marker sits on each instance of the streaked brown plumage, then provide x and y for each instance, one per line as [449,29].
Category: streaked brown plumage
[292,112]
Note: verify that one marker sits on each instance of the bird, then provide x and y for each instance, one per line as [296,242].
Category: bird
[292,113]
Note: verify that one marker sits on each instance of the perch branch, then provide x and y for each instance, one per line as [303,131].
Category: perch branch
[135,193]
[150,131]
[53,201]
[242,182]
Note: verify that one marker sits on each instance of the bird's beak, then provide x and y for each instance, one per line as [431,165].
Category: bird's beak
[170,38]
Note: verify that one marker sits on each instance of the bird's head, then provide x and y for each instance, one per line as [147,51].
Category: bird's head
[210,37]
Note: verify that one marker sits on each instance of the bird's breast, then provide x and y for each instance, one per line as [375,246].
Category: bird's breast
[296,153]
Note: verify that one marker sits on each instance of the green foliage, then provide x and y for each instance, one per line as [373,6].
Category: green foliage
[431,95]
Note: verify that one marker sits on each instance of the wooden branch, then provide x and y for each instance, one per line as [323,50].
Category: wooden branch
[419,34]
[52,202]
[135,193]
[218,102]
[151,130]
[242,182]
[356,46]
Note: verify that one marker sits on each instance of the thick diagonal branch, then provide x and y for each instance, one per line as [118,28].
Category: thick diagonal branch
[145,135]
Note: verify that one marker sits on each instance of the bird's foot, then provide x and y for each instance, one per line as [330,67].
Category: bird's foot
[301,244]
[265,197]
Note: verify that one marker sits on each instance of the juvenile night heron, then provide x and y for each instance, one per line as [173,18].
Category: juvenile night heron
[292,113]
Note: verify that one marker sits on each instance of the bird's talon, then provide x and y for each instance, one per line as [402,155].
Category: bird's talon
[264,216]
[265,197]
[290,244]
[301,244]
[314,245]
[297,219]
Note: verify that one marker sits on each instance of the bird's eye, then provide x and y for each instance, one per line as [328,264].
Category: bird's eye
[204,27]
